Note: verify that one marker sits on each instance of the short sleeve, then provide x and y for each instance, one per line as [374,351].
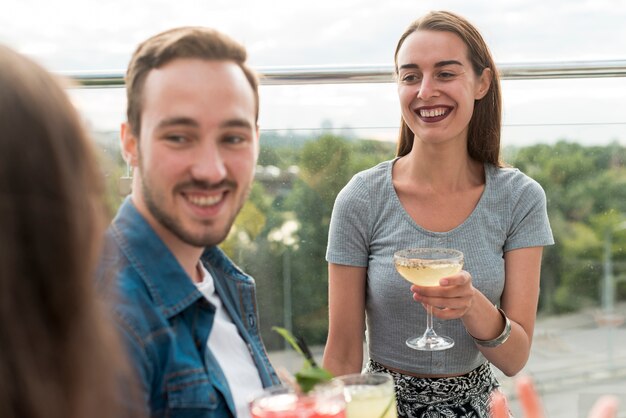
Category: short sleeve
[529,224]
[348,235]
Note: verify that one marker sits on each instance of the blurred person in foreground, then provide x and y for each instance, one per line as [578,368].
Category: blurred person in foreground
[605,407]
[187,314]
[447,187]
[59,356]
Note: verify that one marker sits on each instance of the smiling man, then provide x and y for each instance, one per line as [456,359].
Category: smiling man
[187,314]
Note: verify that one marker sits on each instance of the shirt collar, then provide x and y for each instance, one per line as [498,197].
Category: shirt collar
[169,285]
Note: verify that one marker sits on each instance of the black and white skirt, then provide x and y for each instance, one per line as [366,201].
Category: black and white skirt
[466,396]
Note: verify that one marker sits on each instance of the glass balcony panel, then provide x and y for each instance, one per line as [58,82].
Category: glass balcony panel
[567,133]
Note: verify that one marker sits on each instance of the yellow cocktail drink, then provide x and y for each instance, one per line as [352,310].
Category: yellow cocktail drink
[369,395]
[427,274]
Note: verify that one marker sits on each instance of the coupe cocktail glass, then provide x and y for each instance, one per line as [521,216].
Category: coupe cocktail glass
[369,395]
[425,267]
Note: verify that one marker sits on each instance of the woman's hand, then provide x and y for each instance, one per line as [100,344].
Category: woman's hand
[451,299]
[605,407]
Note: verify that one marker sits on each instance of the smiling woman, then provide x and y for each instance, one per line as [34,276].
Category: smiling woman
[446,188]
[465,83]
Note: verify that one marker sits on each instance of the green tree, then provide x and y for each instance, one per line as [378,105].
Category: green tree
[324,170]
[586,189]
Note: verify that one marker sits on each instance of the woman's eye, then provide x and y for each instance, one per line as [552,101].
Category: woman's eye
[446,74]
[410,78]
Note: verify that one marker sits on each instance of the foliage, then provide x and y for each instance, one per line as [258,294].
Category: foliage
[585,188]
[325,169]
[250,222]
[586,192]
[310,374]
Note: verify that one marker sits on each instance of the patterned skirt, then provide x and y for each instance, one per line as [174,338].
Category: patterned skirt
[466,396]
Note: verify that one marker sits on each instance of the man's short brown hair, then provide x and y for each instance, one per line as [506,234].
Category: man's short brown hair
[183,42]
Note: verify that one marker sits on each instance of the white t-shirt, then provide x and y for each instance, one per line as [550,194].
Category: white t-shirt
[231,351]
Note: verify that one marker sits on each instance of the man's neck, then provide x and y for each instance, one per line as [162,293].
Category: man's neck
[188,256]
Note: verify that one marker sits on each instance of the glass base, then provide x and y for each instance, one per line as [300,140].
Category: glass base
[433,343]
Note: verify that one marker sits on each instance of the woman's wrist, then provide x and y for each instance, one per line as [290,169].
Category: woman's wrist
[500,339]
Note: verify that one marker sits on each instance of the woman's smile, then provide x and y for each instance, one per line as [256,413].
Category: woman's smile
[431,114]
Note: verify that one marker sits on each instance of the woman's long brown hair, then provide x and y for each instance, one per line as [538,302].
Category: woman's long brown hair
[59,355]
[483,139]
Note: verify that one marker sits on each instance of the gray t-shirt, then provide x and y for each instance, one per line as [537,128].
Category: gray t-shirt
[369,224]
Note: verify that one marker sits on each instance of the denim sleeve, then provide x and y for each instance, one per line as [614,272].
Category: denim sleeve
[139,364]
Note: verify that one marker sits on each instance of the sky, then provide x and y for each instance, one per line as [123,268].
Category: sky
[83,35]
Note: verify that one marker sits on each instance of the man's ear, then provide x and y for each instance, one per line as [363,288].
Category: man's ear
[130,145]
[484,83]
[258,140]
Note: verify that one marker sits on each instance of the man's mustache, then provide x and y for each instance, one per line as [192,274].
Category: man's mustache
[205,185]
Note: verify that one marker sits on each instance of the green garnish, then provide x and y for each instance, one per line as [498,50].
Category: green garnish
[311,374]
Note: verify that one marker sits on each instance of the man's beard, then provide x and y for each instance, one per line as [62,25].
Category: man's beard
[176,227]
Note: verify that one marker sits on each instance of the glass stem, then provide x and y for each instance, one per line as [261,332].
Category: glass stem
[430,332]
[429,318]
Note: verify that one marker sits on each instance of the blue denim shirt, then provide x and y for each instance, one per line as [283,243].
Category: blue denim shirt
[165,321]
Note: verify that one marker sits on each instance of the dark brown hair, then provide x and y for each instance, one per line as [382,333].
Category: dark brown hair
[59,355]
[183,42]
[483,139]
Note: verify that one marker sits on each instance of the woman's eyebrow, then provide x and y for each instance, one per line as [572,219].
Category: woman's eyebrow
[437,64]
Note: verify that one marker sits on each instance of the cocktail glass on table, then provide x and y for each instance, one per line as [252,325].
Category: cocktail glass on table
[369,395]
[324,401]
[425,267]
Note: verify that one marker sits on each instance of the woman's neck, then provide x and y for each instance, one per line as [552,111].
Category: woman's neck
[441,168]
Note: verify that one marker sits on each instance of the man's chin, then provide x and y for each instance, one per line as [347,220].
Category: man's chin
[207,239]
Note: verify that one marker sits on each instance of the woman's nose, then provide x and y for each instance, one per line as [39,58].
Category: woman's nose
[427,89]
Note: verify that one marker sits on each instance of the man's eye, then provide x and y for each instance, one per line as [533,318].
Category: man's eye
[235,139]
[178,139]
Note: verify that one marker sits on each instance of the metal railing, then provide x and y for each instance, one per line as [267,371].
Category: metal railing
[344,74]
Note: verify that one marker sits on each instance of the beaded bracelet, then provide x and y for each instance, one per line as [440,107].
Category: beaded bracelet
[500,339]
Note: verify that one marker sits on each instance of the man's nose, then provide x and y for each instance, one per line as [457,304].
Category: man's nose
[209,163]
